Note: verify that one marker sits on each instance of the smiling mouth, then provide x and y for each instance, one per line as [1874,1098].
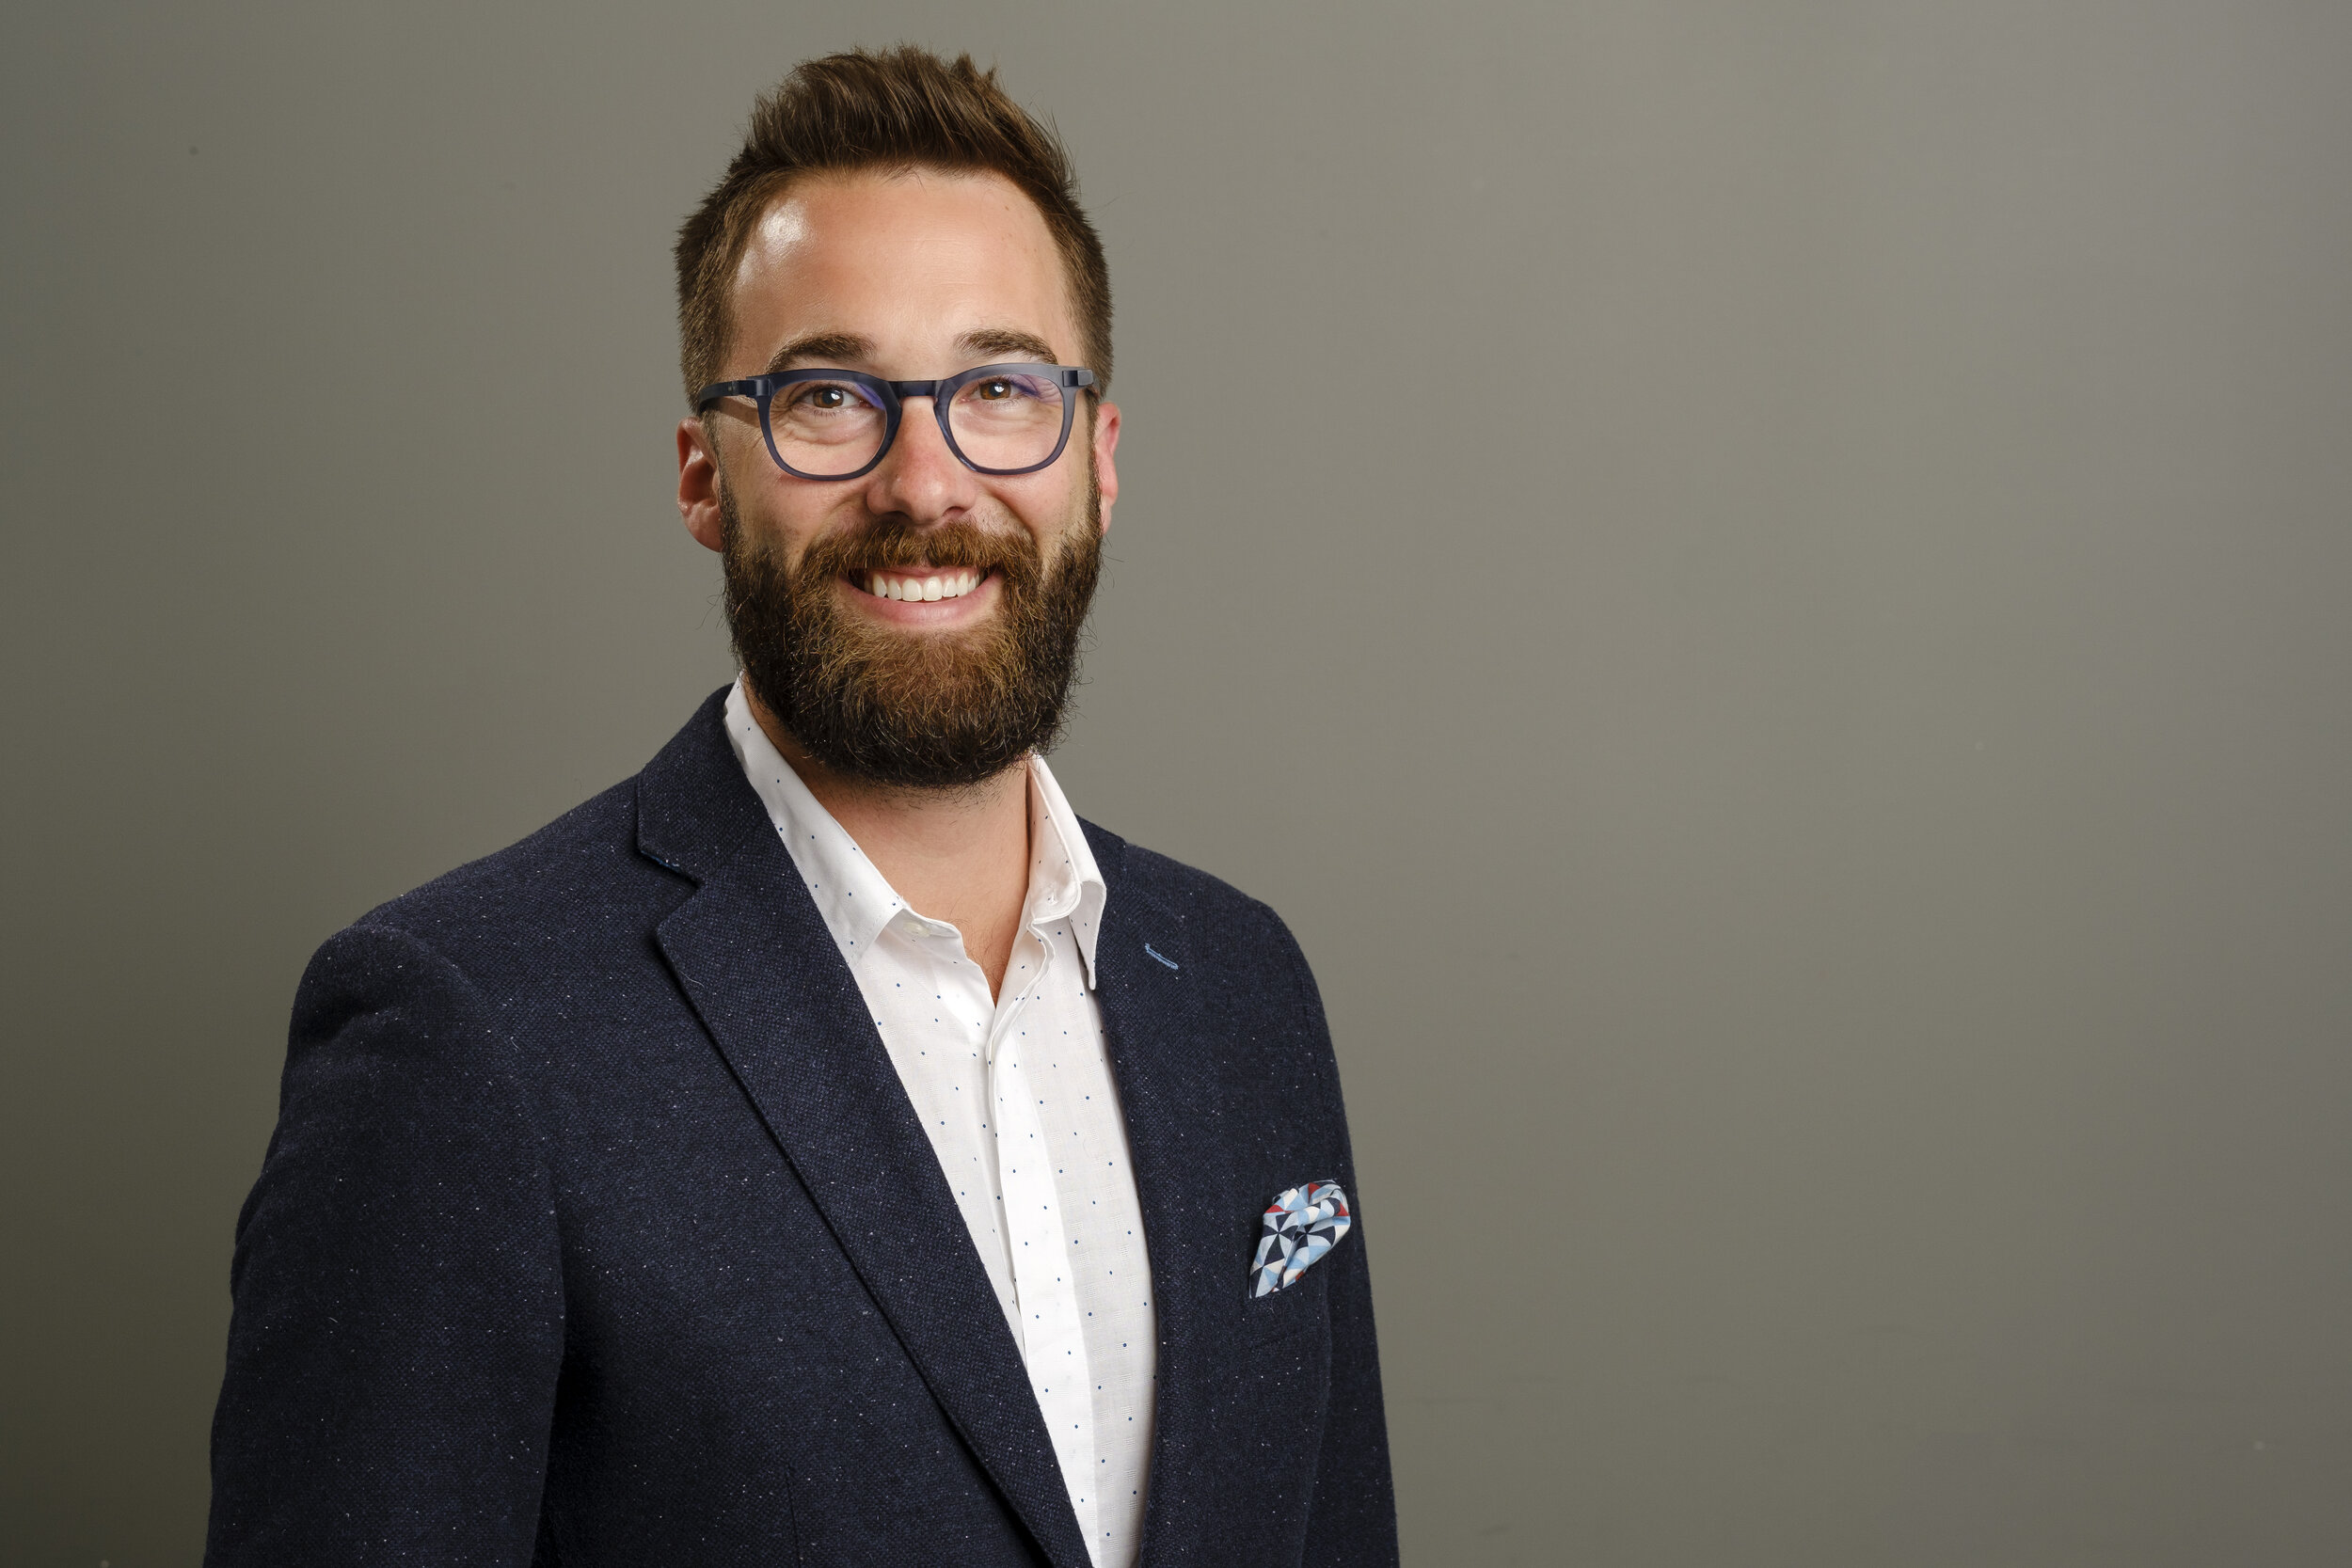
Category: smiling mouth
[921,587]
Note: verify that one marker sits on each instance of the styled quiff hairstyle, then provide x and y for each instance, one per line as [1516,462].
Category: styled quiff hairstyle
[902,108]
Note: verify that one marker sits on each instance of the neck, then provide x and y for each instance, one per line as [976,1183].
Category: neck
[957,855]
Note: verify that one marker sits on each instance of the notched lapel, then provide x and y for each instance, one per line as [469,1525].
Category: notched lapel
[1167,1040]
[1164,1051]
[762,972]
[1241,1385]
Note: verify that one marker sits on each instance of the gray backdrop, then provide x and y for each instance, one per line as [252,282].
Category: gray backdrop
[1764,585]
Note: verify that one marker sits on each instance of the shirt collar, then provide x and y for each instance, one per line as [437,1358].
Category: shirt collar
[857,902]
[1063,878]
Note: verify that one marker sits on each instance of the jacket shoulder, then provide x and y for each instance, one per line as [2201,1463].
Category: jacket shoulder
[1215,913]
[577,892]
[596,871]
[587,846]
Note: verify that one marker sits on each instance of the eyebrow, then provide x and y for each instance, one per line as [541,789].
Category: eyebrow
[1005,342]
[840,348]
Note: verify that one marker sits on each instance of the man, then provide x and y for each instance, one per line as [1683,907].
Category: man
[824,1148]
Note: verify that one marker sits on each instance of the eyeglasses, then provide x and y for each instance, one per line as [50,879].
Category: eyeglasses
[837,424]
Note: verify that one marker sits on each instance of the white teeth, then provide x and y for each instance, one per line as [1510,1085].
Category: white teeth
[952,585]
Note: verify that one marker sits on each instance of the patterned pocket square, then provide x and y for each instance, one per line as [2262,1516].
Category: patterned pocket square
[1300,1226]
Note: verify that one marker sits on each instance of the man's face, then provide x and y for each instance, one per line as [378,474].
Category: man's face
[906,277]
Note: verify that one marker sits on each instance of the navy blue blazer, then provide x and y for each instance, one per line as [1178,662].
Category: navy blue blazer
[598,1230]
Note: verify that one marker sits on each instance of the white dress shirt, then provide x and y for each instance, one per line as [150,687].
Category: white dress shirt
[1017,1095]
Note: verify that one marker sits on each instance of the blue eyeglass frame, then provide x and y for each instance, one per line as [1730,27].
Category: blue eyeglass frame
[891,395]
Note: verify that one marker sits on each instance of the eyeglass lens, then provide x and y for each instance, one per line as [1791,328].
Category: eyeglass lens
[829,429]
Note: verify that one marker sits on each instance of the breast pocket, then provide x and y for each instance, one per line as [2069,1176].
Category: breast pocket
[1302,1305]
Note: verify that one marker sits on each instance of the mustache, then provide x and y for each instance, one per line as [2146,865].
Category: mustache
[896,543]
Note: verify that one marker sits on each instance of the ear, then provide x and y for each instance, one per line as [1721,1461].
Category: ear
[698,482]
[1106,468]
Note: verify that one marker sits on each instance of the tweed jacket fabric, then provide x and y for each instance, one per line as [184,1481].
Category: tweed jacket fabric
[598,1230]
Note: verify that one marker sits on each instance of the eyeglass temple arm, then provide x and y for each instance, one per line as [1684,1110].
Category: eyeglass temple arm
[719,389]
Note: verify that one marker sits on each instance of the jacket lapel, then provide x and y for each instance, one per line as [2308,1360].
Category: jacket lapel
[753,957]
[1163,1043]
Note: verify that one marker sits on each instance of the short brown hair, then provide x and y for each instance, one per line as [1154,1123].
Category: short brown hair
[901,108]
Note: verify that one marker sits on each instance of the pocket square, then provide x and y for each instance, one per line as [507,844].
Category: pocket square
[1300,1226]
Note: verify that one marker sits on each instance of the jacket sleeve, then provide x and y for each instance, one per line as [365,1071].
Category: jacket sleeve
[398,1318]
[1353,1518]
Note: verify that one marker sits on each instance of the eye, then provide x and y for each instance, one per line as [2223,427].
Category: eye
[820,398]
[995,389]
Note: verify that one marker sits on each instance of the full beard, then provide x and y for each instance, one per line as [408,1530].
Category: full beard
[916,709]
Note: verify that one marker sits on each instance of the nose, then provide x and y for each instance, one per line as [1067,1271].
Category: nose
[920,476]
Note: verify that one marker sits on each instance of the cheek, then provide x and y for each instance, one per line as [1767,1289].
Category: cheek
[1055,511]
[786,522]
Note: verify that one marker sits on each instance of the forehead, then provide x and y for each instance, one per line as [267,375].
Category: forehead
[910,261]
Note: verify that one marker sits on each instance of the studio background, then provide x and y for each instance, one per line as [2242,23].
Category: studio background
[1764,586]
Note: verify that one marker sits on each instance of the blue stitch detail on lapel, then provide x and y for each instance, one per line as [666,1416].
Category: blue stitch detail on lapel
[1162,956]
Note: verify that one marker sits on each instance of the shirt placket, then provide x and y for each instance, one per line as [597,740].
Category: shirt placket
[1053,1330]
